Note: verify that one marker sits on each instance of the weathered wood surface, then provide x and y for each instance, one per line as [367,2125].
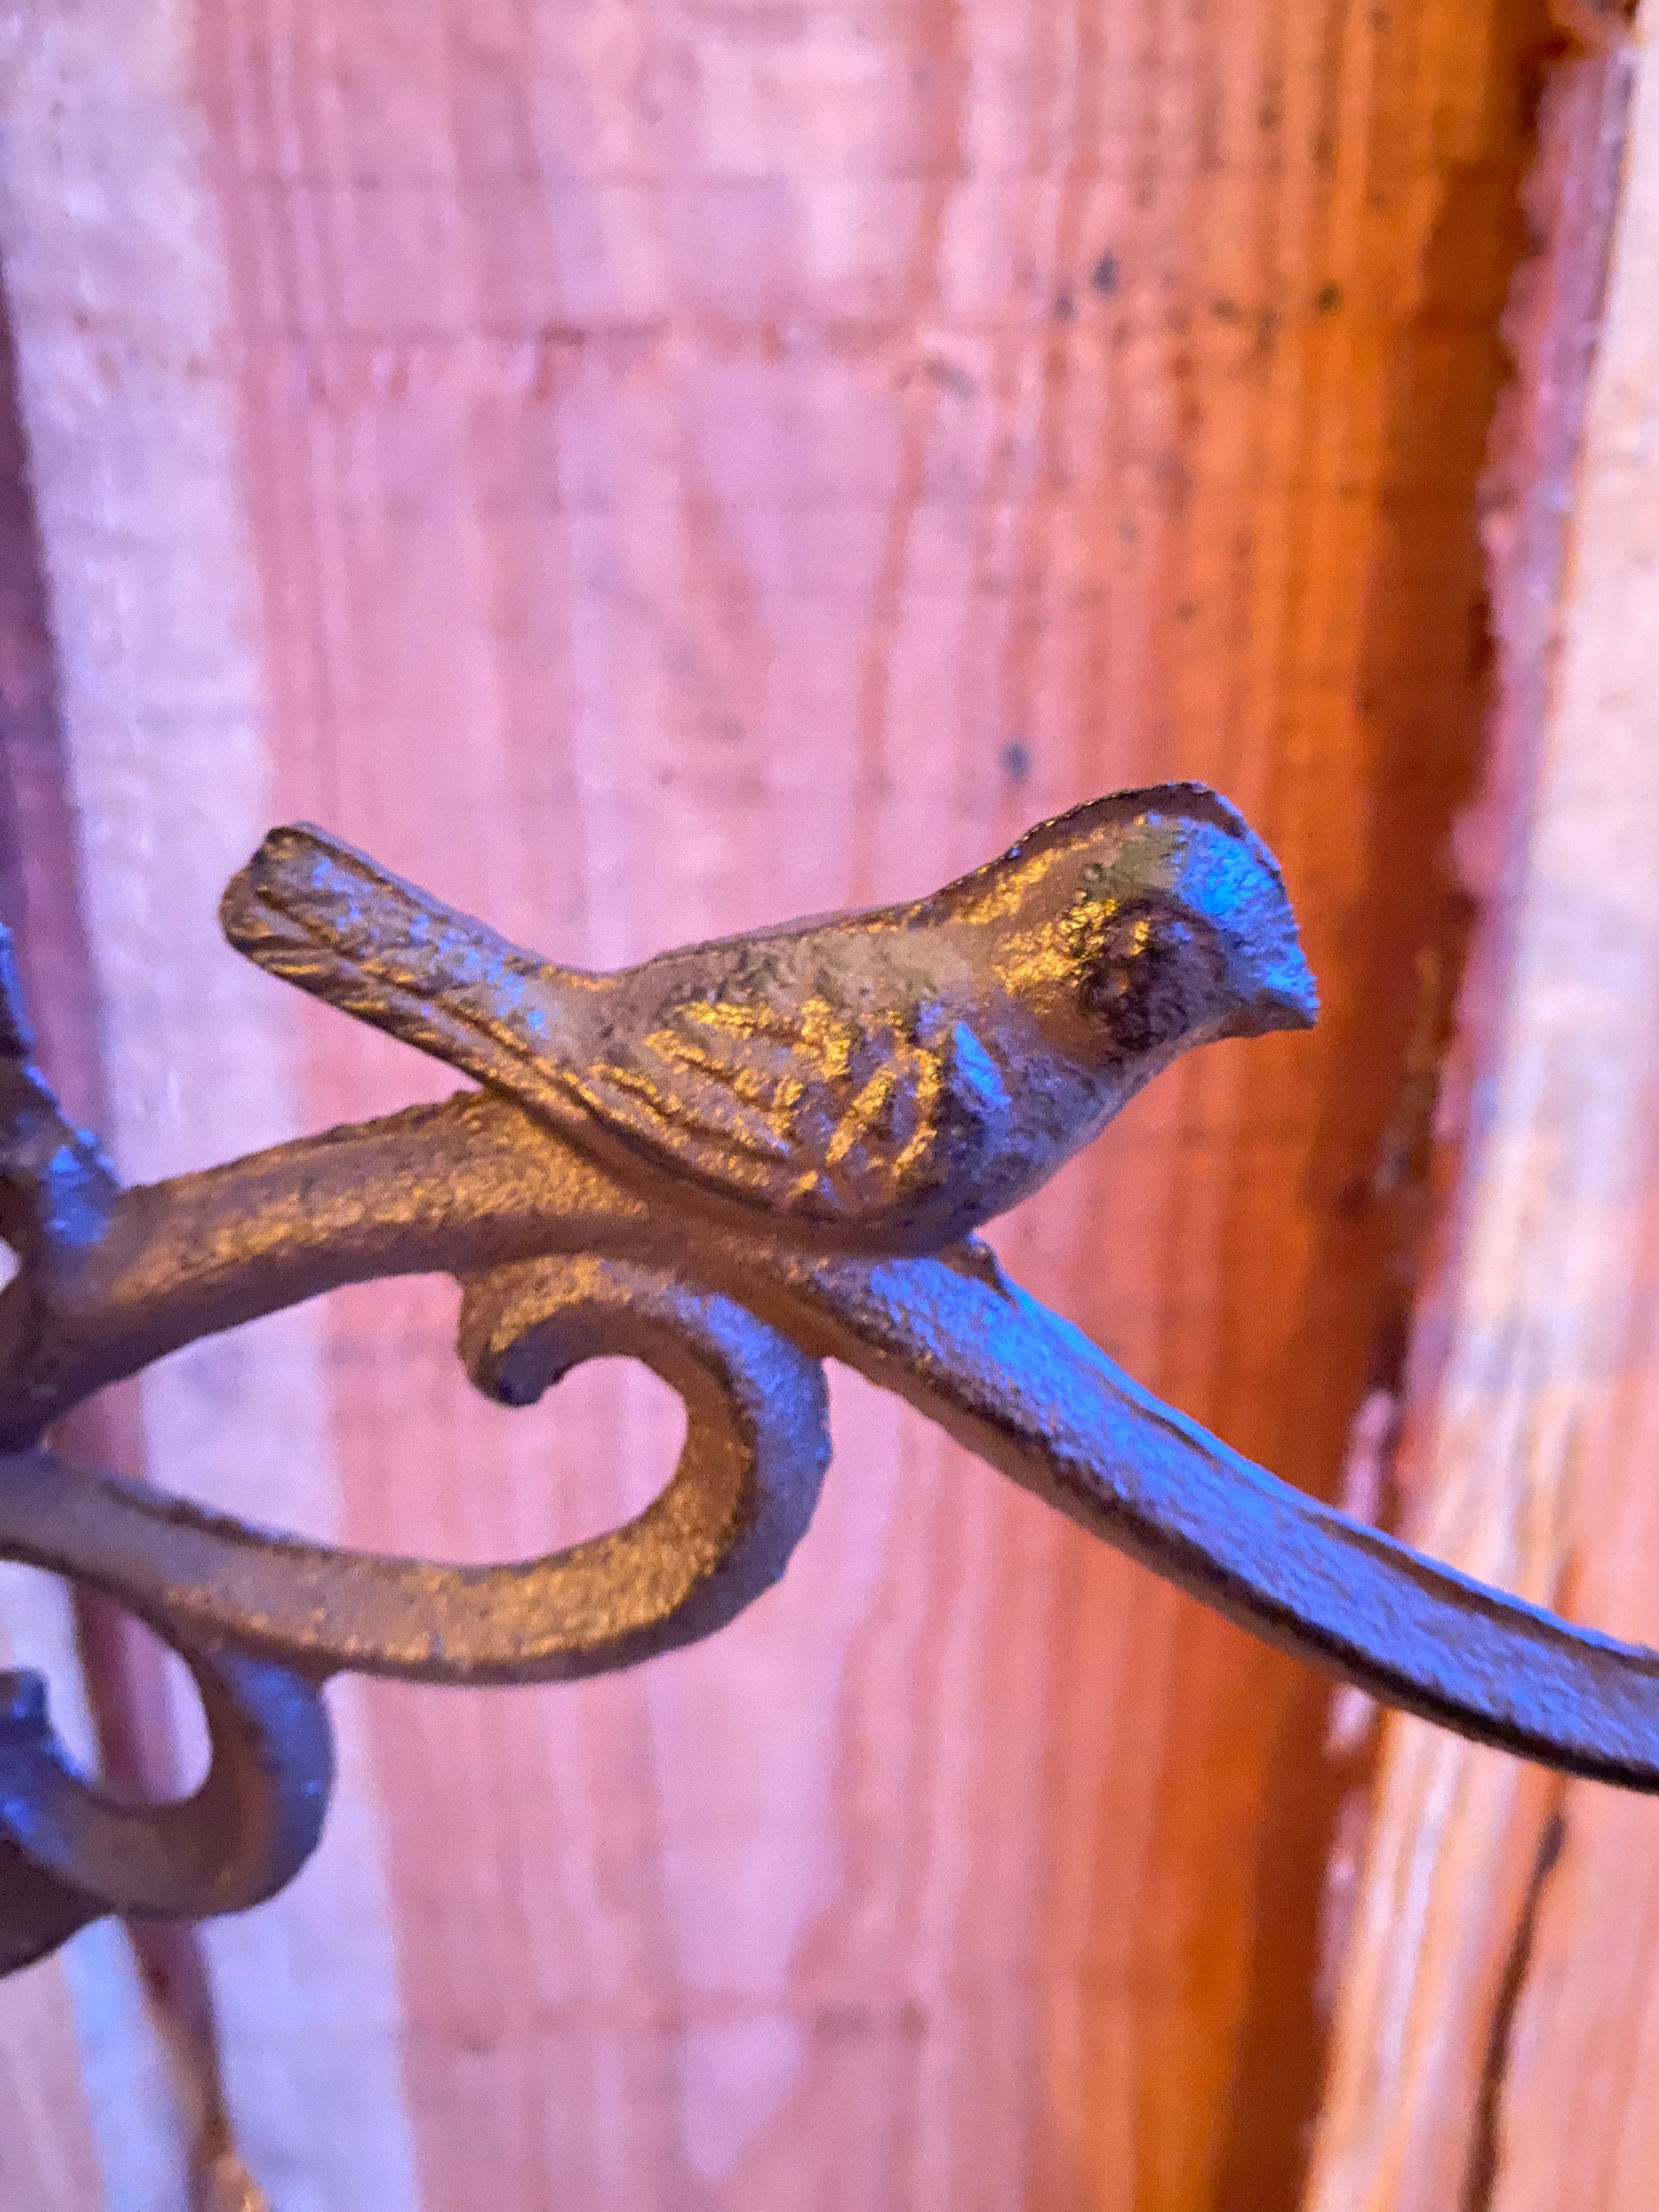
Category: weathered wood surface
[85,2099]
[1495,2046]
[645,471]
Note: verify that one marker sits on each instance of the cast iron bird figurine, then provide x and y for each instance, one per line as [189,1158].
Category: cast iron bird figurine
[881,1082]
[858,1094]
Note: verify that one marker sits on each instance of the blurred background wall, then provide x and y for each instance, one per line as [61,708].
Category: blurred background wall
[646,468]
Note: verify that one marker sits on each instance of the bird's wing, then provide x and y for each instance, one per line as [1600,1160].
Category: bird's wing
[318,912]
[775,1094]
[763,1087]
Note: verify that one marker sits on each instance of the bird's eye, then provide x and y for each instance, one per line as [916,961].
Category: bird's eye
[1145,974]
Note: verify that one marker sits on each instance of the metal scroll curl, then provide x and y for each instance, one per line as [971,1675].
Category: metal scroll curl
[262,1619]
[733,1163]
[70,1852]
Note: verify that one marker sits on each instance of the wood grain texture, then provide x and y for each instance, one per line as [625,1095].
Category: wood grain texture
[1494,2040]
[703,464]
[47,2152]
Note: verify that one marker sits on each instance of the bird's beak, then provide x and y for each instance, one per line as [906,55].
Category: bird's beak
[1268,978]
[1273,986]
[1287,1013]
[1293,1006]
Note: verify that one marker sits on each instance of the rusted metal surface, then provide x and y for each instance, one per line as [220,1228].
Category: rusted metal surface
[732,1163]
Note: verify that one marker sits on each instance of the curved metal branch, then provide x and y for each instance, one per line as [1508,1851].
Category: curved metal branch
[756,1446]
[1022,1388]
[454,1188]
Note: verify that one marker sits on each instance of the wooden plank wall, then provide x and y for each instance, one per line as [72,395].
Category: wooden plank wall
[647,468]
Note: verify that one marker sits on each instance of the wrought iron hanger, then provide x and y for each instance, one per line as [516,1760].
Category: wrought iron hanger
[732,1163]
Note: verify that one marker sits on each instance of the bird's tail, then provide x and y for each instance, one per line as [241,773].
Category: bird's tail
[321,915]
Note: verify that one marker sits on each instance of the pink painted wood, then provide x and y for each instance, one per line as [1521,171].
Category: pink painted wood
[647,470]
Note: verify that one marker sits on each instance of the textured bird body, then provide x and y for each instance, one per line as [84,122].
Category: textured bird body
[884,1081]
